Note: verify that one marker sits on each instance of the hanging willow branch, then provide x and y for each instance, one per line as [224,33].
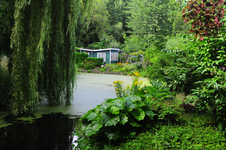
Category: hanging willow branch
[43,38]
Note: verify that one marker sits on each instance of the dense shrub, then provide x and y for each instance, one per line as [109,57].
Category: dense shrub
[138,66]
[163,61]
[128,68]
[80,57]
[180,77]
[91,63]
[88,65]
[97,61]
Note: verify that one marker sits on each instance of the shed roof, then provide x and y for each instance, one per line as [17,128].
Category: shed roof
[97,50]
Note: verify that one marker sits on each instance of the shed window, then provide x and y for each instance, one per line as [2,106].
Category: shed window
[114,56]
[102,55]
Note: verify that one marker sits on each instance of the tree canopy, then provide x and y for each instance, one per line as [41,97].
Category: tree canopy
[40,38]
[43,42]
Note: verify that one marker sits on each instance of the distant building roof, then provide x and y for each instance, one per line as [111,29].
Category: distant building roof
[96,50]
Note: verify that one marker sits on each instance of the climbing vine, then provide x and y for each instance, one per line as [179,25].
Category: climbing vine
[43,39]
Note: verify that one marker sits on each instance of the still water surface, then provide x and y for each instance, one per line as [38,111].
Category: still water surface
[50,127]
[90,91]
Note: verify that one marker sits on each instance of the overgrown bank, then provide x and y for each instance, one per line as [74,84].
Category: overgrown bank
[149,117]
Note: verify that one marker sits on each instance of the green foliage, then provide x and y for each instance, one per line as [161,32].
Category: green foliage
[132,44]
[118,119]
[210,89]
[103,70]
[201,74]
[158,91]
[117,18]
[98,45]
[178,25]
[80,57]
[160,62]
[88,65]
[210,95]
[177,43]
[98,61]
[149,21]
[93,28]
[128,68]
[134,89]
[178,75]
[176,137]
[162,100]
[103,27]
[174,53]
[6,23]
[91,63]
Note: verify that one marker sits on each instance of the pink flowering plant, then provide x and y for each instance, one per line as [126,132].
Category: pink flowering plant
[205,17]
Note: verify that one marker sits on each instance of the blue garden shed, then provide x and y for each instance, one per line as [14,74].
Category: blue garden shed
[109,55]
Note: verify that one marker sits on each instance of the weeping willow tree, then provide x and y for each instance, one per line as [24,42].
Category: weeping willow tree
[43,41]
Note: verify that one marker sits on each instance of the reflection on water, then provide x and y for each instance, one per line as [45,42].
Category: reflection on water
[50,132]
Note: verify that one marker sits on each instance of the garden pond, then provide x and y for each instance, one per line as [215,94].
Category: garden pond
[51,127]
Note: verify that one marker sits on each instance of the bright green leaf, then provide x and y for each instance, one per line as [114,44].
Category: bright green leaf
[91,116]
[120,103]
[133,98]
[110,120]
[97,126]
[123,119]
[113,110]
[89,130]
[139,114]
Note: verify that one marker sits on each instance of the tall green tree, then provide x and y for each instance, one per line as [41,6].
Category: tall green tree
[175,13]
[43,39]
[117,18]
[104,26]
[150,20]
[153,21]
[94,27]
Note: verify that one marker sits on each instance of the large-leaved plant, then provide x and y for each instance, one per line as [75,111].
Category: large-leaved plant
[117,119]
